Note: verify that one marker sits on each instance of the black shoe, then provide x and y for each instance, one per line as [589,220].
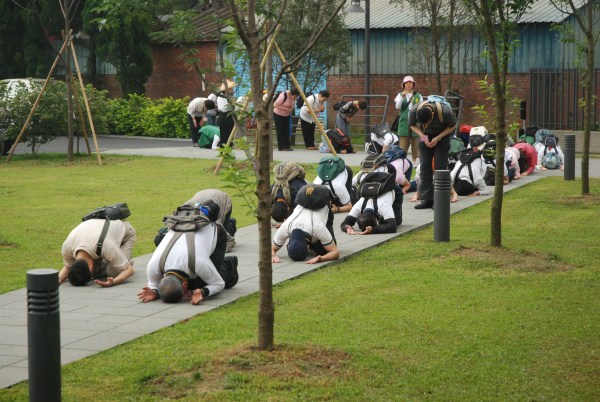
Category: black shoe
[424,205]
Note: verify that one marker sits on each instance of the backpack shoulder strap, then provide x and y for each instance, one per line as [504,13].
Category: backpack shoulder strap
[100,243]
[438,106]
[163,257]
[471,174]
[191,248]
[189,238]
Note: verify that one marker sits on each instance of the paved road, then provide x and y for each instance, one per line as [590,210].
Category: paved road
[86,329]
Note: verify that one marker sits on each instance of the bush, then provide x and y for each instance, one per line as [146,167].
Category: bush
[166,117]
[47,122]
[125,115]
[99,105]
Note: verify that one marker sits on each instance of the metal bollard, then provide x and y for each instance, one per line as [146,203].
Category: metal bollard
[569,151]
[441,206]
[43,335]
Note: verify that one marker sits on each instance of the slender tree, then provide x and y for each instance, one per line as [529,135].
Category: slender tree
[497,21]
[255,23]
[587,18]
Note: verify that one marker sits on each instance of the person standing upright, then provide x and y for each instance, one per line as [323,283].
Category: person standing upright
[282,111]
[405,101]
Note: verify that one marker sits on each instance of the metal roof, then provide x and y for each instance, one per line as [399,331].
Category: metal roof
[385,15]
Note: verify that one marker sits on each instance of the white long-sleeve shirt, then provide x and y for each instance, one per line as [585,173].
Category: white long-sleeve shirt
[205,241]
[539,147]
[313,100]
[478,167]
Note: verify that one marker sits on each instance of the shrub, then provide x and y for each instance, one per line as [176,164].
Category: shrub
[99,105]
[125,115]
[47,122]
[165,117]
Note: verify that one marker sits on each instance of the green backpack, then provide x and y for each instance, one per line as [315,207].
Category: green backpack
[329,167]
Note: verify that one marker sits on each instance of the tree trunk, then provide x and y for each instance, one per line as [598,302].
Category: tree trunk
[266,308]
[588,85]
[69,80]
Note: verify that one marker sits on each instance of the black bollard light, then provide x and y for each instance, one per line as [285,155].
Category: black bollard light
[441,203]
[569,151]
[43,335]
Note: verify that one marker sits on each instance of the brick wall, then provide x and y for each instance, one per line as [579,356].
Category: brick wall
[173,77]
[465,85]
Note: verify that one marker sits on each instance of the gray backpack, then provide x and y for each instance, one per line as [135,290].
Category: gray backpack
[186,219]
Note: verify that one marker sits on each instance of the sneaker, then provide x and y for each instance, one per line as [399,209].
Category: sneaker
[424,205]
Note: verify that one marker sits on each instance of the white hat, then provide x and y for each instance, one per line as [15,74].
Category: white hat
[482,133]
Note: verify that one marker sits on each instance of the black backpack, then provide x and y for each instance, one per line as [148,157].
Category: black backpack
[110,212]
[277,96]
[313,196]
[300,101]
[340,141]
[373,185]
[466,157]
[338,105]
[369,164]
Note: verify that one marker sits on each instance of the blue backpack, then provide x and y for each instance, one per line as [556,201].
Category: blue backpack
[436,101]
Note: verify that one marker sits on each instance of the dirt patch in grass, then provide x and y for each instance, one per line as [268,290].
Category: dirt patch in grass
[245,364]
[7,245]
[585,200]
[504,259]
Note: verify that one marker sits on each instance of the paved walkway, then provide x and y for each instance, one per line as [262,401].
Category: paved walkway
[86,329]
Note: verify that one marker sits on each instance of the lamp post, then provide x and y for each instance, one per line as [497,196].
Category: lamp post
[356,8]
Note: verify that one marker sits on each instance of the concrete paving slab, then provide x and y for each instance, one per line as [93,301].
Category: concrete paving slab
[94,319]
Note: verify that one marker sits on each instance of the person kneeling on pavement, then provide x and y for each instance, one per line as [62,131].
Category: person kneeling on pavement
[374,211]
[190,261]
[98,249]
[307,228]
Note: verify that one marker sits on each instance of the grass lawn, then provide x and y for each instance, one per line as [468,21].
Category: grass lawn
[409,320]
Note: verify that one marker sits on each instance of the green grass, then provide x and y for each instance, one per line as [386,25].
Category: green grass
[410,320]
[43,199]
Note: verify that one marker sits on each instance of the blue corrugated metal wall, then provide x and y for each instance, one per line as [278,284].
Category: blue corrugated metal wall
[400,51]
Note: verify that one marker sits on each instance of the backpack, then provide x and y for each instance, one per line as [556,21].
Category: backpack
[457,146]
[277,96]
[541,135]
[186,219]
[329,167]
[437,101]
[300,101]
[466,157]
[373,185]
[380,130]
[369,164]
[284,173]
[461,186]
[394,152]
[340,141]
[551,142]
[527,134]
[110,212]
[313,196]
[551,159]
[338,105]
